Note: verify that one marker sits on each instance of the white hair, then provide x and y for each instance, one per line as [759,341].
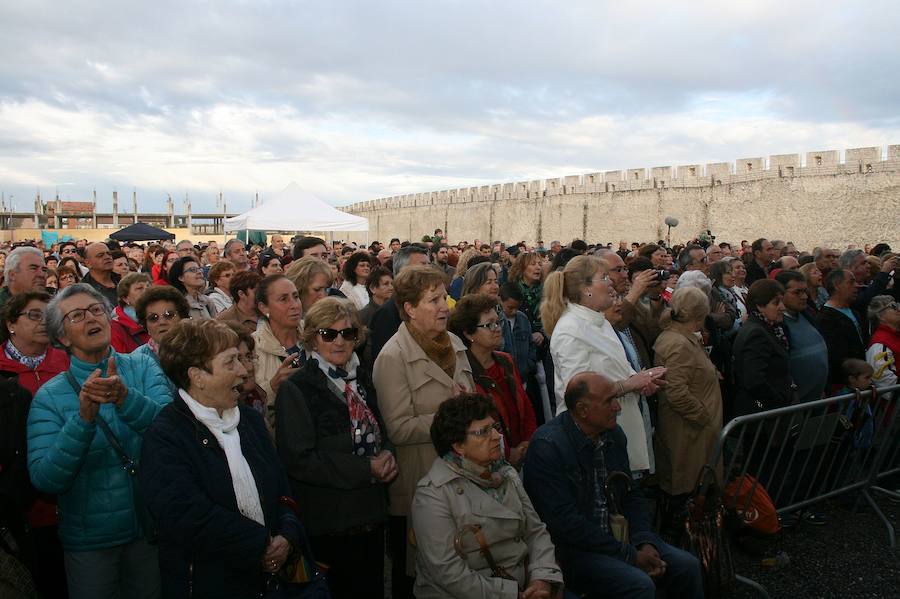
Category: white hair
[15,256]
[696,279]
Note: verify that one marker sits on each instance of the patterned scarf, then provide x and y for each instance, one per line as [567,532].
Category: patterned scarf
[29,362]
[489,479]
[439,350]
[776,328]
[532,304]
[364,430]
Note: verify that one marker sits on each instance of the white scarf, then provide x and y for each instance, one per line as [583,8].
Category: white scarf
[224,429]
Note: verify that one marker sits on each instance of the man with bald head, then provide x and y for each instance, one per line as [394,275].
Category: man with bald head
[570,460]
[101,277]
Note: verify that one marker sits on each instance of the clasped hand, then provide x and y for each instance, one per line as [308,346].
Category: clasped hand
[98,390]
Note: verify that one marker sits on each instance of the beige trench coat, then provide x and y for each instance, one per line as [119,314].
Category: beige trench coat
[690,411]
[410,388]
[446,501]
[269,355]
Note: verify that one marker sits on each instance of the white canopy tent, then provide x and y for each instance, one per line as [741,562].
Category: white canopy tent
[293,209]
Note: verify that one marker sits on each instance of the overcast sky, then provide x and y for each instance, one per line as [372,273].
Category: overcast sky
[367,99]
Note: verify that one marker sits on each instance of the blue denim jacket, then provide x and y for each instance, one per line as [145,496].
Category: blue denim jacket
[517,342]
[559,478]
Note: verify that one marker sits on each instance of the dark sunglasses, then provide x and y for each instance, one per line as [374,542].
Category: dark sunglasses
[329,335]
[168,315]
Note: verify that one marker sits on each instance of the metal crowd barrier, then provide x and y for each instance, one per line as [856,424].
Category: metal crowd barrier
[807,453]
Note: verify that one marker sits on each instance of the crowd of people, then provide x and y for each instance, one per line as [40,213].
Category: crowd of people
[184,420]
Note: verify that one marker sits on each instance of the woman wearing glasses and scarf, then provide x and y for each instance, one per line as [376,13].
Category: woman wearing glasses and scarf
[82,426]
[476,322]
[471,497]
[333,445]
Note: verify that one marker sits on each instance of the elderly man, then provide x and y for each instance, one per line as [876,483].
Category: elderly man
[842,326]
[855,262]
[184,248]
[24,271]
[693,257]
[570,460]
[764,253]
[808,352]
[236,253]
[826,260]
[100,275]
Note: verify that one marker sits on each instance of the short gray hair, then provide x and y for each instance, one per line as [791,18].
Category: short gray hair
[695,278]
[401,258]
[230,243]
[878,305]
[54,314]
[15,257]
[847,258]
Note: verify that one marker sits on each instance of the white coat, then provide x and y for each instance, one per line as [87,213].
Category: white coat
[584,341]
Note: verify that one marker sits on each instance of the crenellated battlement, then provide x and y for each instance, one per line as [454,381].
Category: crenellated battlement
[866,160]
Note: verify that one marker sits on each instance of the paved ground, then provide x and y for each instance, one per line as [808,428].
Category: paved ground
[848,558]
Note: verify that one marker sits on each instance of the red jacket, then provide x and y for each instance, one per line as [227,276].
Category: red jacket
[56,361]
[126,335]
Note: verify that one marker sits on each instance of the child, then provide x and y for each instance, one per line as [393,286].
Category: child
[857,376]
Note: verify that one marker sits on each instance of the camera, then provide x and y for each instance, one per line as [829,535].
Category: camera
[662,275]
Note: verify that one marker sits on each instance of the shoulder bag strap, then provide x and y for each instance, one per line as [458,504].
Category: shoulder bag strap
[127,463]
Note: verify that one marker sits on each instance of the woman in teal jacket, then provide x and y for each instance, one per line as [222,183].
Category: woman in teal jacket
[71,454]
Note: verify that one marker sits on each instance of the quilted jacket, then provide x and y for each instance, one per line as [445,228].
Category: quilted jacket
[73,459]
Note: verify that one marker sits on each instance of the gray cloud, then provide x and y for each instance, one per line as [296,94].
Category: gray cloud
[361,99]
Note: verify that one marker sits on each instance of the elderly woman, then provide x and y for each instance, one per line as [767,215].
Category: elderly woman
[158,310]
[25,351]
[356,271]
[82,427]
[469,496]
[476,322]
[222,529]
[690,406]
[312,277]
[417,369]
[243,311]
[251,393]
[583,340]
[816,290]
[334,448]
[127,333]
[884,347]
[722,297]
[219,277]
[762,371]
[279,345]
[186,275]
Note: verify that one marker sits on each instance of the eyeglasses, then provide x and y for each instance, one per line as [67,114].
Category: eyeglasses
[193,270]
[78,314]
[69,251]
[34,314]
[167,315]
[485,431]
[892,306]
[67,278]
[491,326]
[329,335]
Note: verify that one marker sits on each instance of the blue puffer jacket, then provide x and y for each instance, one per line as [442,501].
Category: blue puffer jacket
[72,458]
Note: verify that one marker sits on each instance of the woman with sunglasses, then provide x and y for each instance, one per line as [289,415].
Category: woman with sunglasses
[472,495]
[476,323]
[158,310]
[333,445]
[82,427]
[583,340]
[27,359]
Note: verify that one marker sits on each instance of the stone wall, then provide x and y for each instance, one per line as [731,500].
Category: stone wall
[819,201]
